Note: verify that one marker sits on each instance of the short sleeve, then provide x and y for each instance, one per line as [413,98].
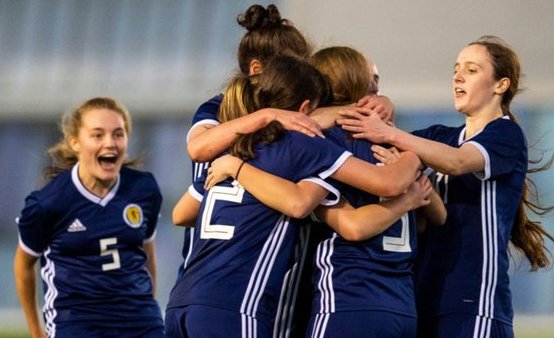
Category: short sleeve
[153,221]
[502,144]
[206,113]
[32,223]
[316,161]
[314,156]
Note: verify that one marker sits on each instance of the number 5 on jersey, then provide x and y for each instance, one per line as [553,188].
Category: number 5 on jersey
[104,251]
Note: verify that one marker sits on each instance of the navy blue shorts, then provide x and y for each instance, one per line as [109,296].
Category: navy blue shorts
[463,326]
[366,324]
[93,330]
[194,321]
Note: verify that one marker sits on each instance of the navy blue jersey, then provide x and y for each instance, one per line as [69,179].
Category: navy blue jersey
[375,274]
[205,114]
[90,248]
[463,266]
[243,248]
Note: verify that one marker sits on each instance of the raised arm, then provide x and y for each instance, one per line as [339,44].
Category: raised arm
[446,159]
[208,141]
[25,283]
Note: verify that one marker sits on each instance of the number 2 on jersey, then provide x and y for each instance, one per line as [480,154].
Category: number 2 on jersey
[218,193]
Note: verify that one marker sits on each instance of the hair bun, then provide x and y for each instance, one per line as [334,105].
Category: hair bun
[257,17]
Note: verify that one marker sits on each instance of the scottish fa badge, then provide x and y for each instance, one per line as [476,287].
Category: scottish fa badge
[132,214]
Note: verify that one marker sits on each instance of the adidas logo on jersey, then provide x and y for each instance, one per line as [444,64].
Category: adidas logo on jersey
[76,226]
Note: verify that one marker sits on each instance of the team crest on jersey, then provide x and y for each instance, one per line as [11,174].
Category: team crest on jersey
[132,214]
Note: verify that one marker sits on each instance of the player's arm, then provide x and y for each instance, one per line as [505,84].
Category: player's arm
[444,158]
[151,263]
[386,181]
[381,181]
[186,210]
[358,224]
[432,214]
[295,200]
[25,283]
[435,212]
[207,142]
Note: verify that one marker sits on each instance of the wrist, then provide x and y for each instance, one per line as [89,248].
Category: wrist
[392,136]
[269,115]
[237,173]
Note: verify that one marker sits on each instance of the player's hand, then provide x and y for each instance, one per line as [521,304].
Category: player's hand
[419,192]
[297,122]
[222,168]
[386,156]
[380,105]
[364,124]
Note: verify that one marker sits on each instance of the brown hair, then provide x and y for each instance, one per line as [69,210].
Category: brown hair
[285,83]
[62,156]
[347,72]
[527,236]
[268,35]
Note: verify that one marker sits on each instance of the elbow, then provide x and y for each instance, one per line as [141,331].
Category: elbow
[353,236]
[299,212]
[351,230]
[179,220]
[354,233]
[440,218]
[299,209]
[451,169]
[194,153]
[394,188]
[454,167]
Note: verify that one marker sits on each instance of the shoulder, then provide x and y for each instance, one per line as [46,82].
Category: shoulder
[502,131]
[139,178]
[210,105]
[55,188]
[51,198]
[207,112]
[337,135]
[505,125]
[437,131]
[298,140]
[336,131]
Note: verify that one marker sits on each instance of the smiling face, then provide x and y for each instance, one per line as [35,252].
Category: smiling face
[101,146]
[474,88]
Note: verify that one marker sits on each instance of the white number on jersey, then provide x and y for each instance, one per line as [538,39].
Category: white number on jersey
[217,193]
[402,243]
[104,251]
[442,177]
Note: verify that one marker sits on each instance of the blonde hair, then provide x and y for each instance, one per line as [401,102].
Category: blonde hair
[347,72]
